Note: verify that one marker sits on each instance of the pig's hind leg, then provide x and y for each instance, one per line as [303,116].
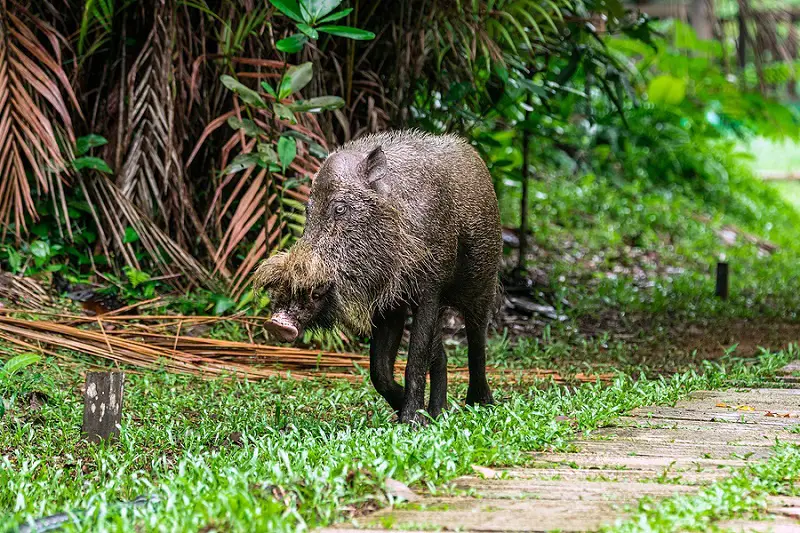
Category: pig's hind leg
[476,321]
[387,331]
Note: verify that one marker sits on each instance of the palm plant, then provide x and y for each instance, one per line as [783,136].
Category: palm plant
[218,112]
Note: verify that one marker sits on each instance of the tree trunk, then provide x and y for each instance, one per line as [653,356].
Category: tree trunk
[700,13]
[791,44]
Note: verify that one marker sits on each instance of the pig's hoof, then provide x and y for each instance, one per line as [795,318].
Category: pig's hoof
[480,399]
[415,419]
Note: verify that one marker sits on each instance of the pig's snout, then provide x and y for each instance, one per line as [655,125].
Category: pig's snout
[285,326]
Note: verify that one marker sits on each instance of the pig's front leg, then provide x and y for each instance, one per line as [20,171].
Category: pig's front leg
[387,331]
[438,397]
[423,333]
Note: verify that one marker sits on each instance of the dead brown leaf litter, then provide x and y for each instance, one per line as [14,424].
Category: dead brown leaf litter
[166,342]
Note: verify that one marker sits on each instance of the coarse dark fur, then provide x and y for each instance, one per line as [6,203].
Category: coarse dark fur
[397,221]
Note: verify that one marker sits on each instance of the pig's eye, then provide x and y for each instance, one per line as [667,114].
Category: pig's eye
[340,209]
[319,292]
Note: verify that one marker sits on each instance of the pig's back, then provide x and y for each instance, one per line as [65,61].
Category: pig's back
[442,186]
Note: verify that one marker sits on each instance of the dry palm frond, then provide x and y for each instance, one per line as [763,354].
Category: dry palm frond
[35,121]
[113,213]
[152,175]
[24,292]
[178,354]
[142,341]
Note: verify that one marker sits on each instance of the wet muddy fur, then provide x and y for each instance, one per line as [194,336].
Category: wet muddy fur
[398,222]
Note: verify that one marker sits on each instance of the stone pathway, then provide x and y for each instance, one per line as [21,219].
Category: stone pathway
[655,452]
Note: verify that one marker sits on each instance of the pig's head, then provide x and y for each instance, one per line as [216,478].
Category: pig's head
[301,290]
[358,252]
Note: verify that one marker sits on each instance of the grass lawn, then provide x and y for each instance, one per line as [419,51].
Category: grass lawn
[282,455]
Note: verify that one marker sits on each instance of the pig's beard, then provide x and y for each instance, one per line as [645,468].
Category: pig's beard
[375,273]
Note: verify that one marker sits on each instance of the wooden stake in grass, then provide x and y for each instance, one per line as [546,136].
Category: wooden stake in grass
[722,280]
[102,405]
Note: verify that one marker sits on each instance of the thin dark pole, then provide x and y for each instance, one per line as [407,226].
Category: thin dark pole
[722,280]
[523,209]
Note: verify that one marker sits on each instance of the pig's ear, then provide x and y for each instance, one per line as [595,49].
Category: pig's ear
[373,168]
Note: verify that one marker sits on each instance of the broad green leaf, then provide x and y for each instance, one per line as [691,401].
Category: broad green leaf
[299,76]
[314,9]
[14,260]
[130,235]
[246,298]
[40,249]
[250,127]
[94,163]
[336,16]
[315,105]
[17,363]
[247,94]
[288,8]
[292,44]
[316,149]
[87,142]
[267,153]
[285,87]
[287,151]
[294,204]
[347,31]
[267,87]
[242,162]
[667,90]
[223,303]
[284,113]
[308,30]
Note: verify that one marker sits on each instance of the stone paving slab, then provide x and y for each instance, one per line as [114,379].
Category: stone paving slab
[568,490]
[776,427]
[675,450]
[502,515]
[668,474]
[733,437]
[592,461]
[654,452]
[716,415]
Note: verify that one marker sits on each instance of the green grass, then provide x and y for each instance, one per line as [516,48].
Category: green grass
[644,247]
[743,495]
[282,455]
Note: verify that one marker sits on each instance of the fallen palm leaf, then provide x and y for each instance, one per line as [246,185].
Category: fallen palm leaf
[183,355]
[164,342]
[23,291]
